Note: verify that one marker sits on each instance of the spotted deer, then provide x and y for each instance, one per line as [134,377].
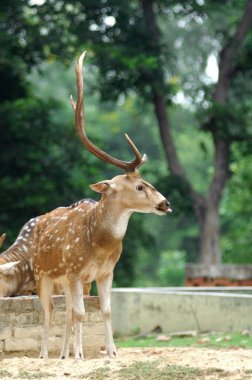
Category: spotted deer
[84,243]
[16,263]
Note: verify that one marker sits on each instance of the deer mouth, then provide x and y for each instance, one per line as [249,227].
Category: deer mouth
[162,210]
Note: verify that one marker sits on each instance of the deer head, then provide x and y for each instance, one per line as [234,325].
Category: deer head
[6,268]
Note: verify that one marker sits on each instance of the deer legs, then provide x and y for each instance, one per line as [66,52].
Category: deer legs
[104,289]
[75,312]
[69,321]
[45,289]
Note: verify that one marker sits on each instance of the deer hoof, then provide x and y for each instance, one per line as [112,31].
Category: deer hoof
[112,353]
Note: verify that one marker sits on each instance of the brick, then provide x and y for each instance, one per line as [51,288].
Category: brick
[95,317]
[55,345]
[93,340]
[28,332]
[57,331]
[59,318]
[21,344]
[6,318]
[92,328]
[5,332]
[92,304]
[6,304]
[28,319]
[92,352]
[245,283]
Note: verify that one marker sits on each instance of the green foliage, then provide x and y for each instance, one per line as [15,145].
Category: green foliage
[171,269]
[41,163]
[237,210]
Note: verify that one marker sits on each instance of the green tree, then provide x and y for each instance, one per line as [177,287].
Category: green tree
[41,163]
[237,210]
[132,54]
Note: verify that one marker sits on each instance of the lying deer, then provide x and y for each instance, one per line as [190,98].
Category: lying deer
[16,263]
[84,243]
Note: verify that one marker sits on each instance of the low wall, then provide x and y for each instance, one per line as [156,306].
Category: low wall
[21,325]
[181,309]
[218,275]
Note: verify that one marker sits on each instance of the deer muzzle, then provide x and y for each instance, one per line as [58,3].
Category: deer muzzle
[164,206]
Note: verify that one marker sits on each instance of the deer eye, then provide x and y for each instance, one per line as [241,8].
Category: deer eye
[139,188]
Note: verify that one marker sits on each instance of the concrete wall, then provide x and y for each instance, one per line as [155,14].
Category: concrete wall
[21,325]
[180,309]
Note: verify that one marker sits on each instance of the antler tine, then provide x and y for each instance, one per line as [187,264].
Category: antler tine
[2,238]
[139,160]
[78,109]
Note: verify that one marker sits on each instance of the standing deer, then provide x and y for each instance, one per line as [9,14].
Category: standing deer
[84,243]
[16,263]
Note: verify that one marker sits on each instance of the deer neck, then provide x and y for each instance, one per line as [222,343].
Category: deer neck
[113,218]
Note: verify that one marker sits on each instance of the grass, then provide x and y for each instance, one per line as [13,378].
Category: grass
[98,374]
[153,370]
[5,374]
[26,375]
[34,374]
[214,340]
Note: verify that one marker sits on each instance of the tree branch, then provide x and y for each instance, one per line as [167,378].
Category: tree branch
[158,98]
[227,64]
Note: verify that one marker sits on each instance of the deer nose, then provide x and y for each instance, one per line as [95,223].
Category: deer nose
[165,206]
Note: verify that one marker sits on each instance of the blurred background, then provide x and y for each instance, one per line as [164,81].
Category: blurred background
[174,75]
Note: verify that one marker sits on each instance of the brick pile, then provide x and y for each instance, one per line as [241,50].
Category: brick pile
[21,325]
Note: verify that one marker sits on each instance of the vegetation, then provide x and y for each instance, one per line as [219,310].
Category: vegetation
[153,370]
[145,56]
[149,370]
[213,340]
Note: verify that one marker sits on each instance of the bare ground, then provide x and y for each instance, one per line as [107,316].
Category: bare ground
[230,364]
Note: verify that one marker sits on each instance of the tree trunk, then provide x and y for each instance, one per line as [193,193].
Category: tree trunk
[165,134]
[209,242]
[205,207]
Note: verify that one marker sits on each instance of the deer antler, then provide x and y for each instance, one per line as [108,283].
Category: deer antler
[2,237]
[80,128]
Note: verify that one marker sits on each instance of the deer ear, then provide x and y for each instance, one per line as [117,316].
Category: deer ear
[103,187]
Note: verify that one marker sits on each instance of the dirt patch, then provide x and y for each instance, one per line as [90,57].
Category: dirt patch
[230,364]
